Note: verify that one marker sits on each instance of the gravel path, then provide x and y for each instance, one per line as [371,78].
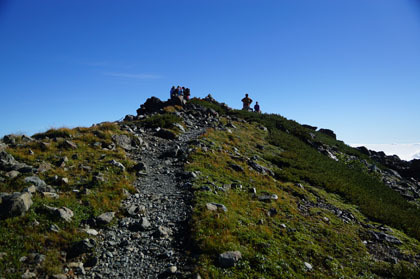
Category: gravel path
[150,242]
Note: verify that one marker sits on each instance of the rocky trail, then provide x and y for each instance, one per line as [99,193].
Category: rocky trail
[151,241]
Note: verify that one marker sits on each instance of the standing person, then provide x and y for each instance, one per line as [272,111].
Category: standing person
[173,93]
[246,103]
[257,107]
[179,91]
[187,94]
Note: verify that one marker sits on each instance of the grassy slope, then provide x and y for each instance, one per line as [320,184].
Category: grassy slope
[334,248]
[19,236]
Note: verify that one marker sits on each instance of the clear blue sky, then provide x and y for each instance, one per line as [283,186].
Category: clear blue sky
[351,66]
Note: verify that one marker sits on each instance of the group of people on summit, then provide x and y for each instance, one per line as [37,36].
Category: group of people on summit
[180,91]
[186,93]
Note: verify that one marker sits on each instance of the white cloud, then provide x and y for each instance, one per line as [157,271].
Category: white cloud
[133,76]
[406,152]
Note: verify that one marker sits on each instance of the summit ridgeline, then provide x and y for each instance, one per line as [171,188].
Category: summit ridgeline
[196,189]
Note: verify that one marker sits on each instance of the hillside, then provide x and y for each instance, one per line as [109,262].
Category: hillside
[199,190]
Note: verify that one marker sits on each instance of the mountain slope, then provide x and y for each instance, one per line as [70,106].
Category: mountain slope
[255,196]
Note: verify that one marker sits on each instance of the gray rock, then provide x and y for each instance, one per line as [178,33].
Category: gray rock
[179,126]
[28,275]
[143,225]
[308,266]
[268,197]
[216,206]
[69,144]
[50,195]
[172,269]
[35,180]
[117,164]
[259,168]
[229,259]
[16,204]
[91,232]
[105,218]
[123,141]
[163,232]
[62,213]
[54,228]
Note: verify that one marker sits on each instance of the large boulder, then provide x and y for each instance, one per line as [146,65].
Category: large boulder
[9,163]
[62,213]
[123,141]
[151,105]
[328,132]
[16,204]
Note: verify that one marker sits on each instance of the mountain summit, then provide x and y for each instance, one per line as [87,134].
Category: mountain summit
[195,189]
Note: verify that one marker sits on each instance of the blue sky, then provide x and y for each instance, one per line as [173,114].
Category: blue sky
[351,66]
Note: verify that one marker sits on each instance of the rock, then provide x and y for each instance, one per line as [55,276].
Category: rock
[236,167]
[69,144]
[140,167]
[229,259]
[166,134]
[328,132]
[62,162]
[91,232]
[28,275]
[12,174]
[105,218]
[152,104]
[54,228]
[35,258]
[129,117]
[117,164]
[268,197]
[62,213]
[59,276]
[50,195]
[163,232]
[259,168]
[143,225]
[172,269]
[84,246]
[44,167]
[252,191]
[308,266]
[123,141]
[8,163]
[313,128]
[16,204]
[179,127]
[35,180]
[133,210]
[216,206]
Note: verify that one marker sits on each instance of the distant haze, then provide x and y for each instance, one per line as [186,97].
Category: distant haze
[404,151]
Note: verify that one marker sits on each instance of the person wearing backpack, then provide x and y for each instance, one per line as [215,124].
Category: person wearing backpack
[187,94]
[246,103]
